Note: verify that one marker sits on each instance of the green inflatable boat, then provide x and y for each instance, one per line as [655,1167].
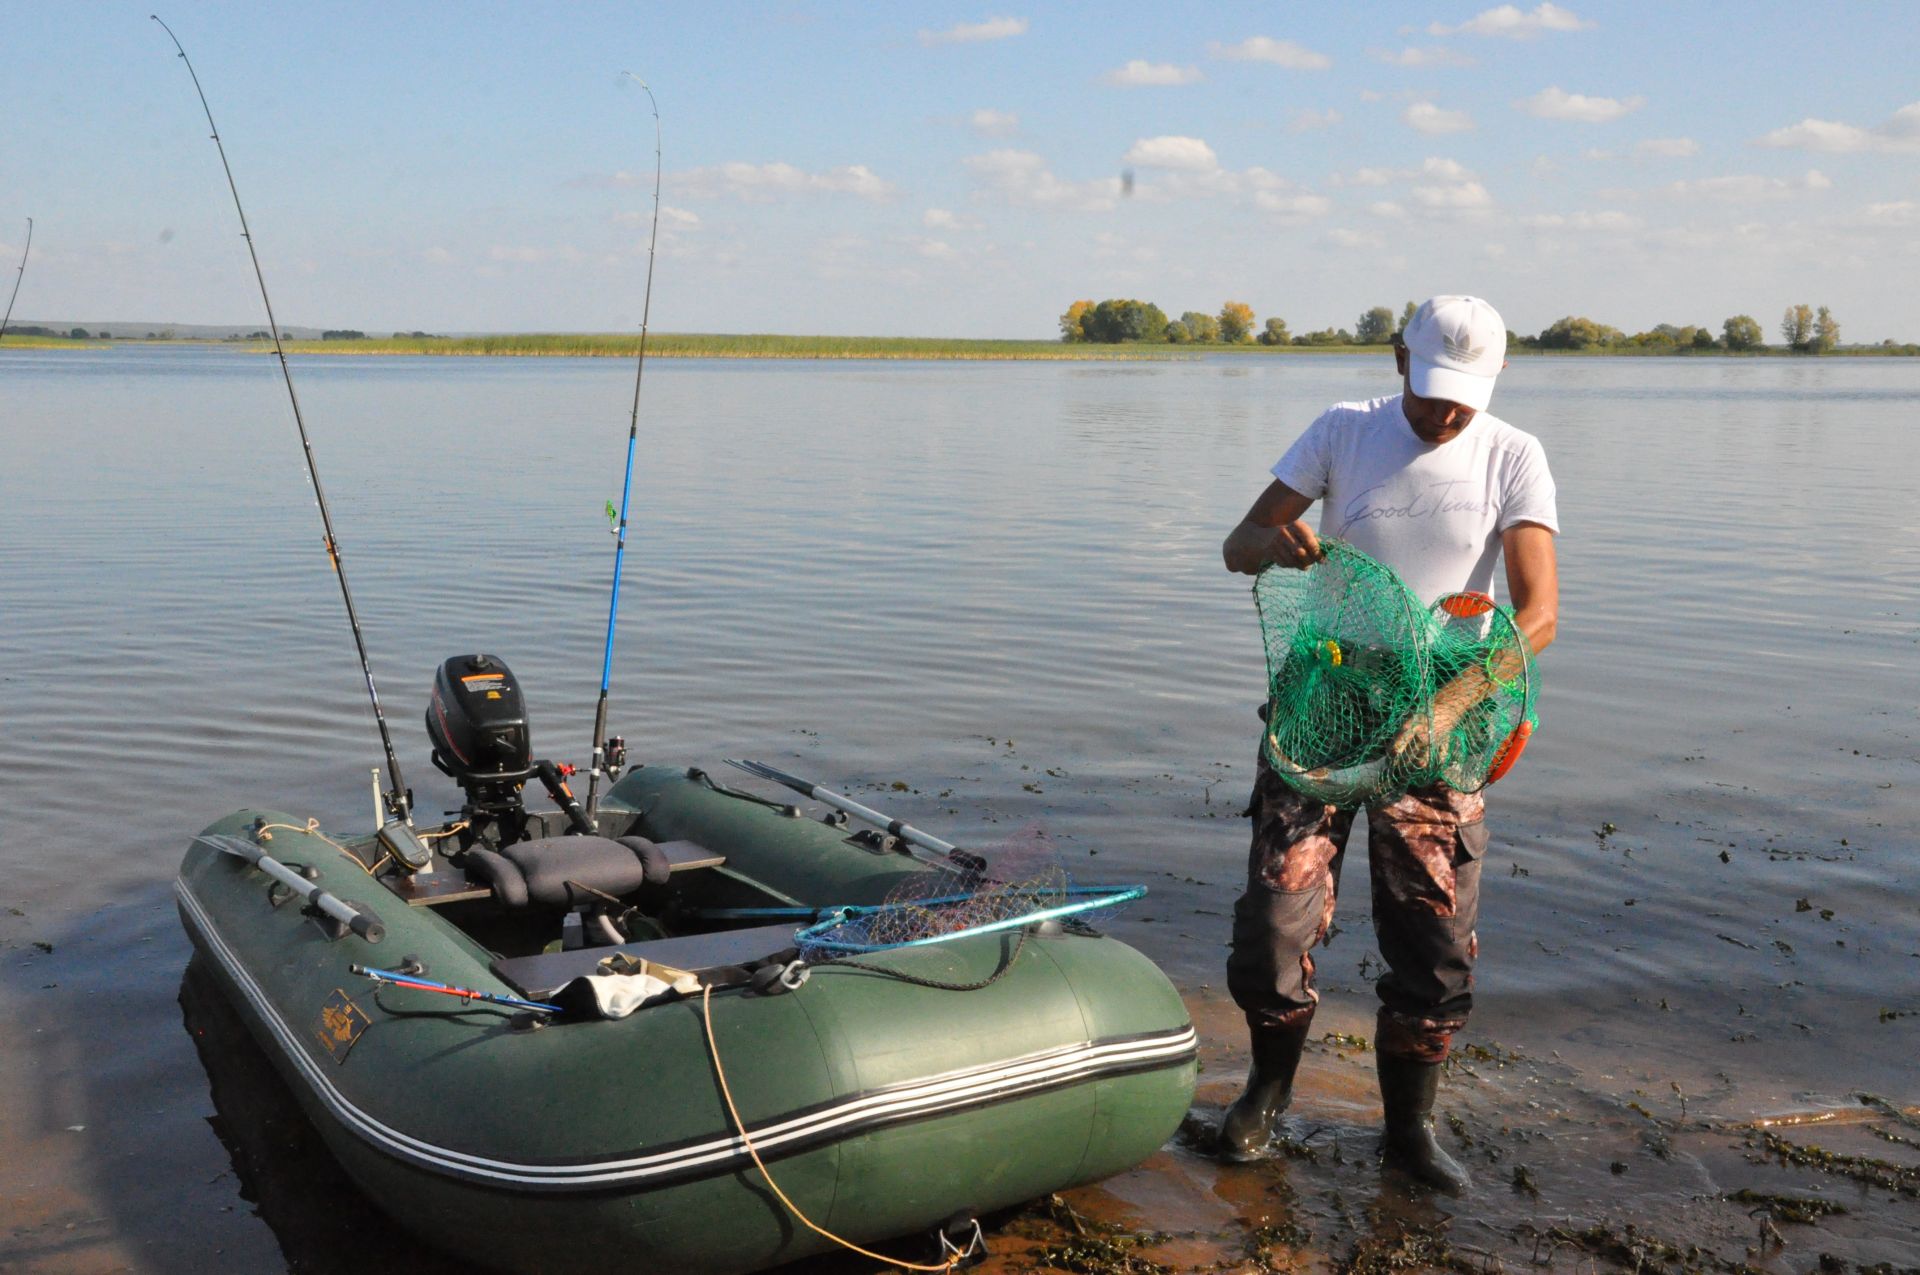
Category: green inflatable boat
[512,1030]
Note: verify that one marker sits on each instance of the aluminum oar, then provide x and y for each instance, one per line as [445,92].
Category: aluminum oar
[942,850]
[367,927]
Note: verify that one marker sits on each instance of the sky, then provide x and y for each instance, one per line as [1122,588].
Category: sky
[935,169]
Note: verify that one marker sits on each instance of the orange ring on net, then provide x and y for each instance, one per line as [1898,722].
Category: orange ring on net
[1510,751]
[1465,606]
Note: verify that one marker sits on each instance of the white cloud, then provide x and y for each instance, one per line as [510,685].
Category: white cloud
[1433,168]
[1898,132]
[1605,222]
[1450,170]
[1425,117]
[1509,22]
[1456,197]
[1022,177]
[1557,104]
[1182,154]
[942,219]
[761,183]
[438,256]
[974,33]
[1308,120]
[1217,184]
[669,216]
[519,255]
[991,123]
[1298,207]
[1438,184]
[1820,135]
[1341,237]
[1666,148]
[1903,123]
[1901,212]
[1747,186]
[1431,55]
[936,250]
[1364,177]
[1140,74]
[1261,48]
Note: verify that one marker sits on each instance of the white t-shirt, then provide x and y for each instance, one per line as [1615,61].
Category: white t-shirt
[1433,514]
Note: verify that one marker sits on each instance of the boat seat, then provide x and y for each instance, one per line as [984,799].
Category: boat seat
[543,975]
[569,872]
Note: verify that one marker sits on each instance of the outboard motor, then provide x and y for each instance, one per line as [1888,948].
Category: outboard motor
[477,723]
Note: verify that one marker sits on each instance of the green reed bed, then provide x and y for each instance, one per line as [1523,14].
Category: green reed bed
[722,346]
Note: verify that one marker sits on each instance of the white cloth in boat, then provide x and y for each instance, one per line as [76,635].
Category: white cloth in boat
[627,983]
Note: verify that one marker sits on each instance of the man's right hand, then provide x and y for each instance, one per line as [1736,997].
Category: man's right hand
[1272,534]
[1294,545]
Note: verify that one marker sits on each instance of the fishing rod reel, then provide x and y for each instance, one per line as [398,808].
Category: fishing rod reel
[477,724]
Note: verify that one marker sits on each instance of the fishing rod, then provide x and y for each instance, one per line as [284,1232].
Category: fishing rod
[397,834]
[394,978]
[604,749]
[943,851]
[18,275]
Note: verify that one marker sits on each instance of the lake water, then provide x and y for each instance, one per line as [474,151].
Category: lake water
[998,584]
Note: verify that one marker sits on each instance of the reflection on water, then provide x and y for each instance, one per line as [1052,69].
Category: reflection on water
[283,1170]
[998,585]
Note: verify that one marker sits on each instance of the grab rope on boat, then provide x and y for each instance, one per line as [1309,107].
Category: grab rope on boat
[954,1255]
[265,831]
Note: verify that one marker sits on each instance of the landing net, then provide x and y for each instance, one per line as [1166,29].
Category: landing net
[1018,883]
[1371,694]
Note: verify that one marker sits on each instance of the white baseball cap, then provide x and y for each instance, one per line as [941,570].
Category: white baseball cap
[1458,346]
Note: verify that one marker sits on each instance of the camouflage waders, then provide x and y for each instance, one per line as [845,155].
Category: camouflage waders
[1424,853]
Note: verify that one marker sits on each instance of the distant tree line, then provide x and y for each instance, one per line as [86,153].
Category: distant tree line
[1118,320]
[1804,329]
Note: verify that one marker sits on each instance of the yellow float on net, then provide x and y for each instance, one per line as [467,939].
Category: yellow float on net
[1332,650]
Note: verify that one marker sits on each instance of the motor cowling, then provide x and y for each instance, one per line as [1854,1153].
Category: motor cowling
[477,722]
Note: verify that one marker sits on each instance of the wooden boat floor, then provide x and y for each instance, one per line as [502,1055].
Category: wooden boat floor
[542,975]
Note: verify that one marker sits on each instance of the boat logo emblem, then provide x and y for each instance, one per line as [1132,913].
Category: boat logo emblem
[341,1024]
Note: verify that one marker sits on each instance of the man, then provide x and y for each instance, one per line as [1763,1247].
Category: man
[1436,487]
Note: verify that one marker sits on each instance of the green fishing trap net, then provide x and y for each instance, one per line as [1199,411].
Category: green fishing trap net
[1371,694]
[1016,884]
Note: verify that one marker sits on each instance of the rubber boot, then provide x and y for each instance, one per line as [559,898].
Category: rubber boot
[1407,1089]
[1248,1126]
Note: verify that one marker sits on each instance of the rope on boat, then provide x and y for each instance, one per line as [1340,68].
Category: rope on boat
[713,1049]
[312,828]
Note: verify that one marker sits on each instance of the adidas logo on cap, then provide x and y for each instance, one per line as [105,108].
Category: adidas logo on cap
[1457,346]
